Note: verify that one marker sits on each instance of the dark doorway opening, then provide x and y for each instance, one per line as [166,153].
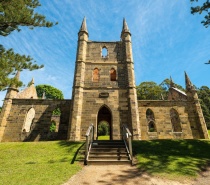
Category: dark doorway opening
[104,123]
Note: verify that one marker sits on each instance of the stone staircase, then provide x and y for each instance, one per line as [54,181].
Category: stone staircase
[108,152]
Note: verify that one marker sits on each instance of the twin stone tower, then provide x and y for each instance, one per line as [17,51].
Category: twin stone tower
[104,90]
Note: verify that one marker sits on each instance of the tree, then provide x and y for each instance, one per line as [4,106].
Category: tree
[103,128]
[204,96]
[200,9]
[149,91]
[13,15]
[165,84]
[49,91]
[10,63]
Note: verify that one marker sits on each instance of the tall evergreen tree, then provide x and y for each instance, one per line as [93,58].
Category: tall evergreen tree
[13,15]
[200,9]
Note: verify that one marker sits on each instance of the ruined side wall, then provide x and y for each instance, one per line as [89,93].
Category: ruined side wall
[42,120]
[161,109]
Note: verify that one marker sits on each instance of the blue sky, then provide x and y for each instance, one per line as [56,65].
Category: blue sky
[166,38]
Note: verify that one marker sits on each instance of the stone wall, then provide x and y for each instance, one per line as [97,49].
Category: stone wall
[188,118]
[41,122]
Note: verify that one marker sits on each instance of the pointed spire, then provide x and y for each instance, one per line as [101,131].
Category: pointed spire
[83,27]
[172,84]
[188,83]
[31,82]
[125,26]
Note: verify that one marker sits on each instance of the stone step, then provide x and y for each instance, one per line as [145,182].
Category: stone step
[108,162]
[108,149]
[105,152]
[108,146]
[108,153]
[107,157]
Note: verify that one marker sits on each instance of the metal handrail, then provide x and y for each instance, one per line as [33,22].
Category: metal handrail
[127,137]
[89,139]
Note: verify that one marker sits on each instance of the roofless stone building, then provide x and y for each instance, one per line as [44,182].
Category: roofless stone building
[104,89]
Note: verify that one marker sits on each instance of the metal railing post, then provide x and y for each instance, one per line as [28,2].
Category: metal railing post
[89,139]
[127,137]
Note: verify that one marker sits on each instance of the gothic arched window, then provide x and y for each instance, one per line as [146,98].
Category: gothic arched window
[175,121]
[113,76]
[152,127]
[96,75]
[104,52]
[29,120]
[150,115]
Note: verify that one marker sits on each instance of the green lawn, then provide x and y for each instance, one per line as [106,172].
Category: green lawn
[39,163]
[103,137]
[209,132]
[172,158]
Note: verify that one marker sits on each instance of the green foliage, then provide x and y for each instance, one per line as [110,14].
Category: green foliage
[10,63]
[149,91]
[204,96]
[165,84]
[153,91]
[0,109]
[50,92]
[103,128]
[200,9]
[13,15]
[53,127]
[57,112]
[38,162]
[172,158]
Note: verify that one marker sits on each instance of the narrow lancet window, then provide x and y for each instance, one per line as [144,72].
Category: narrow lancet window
[96,75]
[29,120]
[104,52]
[175,120]
[113,74]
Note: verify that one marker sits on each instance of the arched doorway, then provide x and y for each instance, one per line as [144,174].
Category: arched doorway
[105,117]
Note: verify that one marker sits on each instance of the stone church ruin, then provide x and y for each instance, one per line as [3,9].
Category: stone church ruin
[104,89]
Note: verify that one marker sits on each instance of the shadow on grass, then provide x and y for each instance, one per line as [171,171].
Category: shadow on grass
[71,147]
[179,157]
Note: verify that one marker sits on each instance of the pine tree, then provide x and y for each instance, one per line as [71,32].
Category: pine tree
[13,15]
[200,9]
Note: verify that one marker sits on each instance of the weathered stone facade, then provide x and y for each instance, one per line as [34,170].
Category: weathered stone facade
[104,90]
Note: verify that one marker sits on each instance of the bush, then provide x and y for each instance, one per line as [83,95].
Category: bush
[103,129]
[53,127]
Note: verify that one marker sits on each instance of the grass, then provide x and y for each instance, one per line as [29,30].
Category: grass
[39,163]
[104,137]
[172,158]
[209,132]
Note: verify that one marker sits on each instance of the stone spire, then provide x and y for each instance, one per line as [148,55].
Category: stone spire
[31,82]
[188,83]
[83,27]
[125,26]
[172,83]
[125,34]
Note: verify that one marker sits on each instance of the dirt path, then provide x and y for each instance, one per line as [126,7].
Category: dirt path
[124,175]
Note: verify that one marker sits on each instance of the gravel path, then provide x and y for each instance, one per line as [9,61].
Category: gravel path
[123,175]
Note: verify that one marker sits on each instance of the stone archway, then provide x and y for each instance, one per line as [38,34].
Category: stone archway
[104,114]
